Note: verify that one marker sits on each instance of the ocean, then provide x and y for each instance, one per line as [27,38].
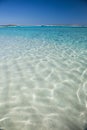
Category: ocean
[43,78]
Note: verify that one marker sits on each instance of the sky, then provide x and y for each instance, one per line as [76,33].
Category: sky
[35,12]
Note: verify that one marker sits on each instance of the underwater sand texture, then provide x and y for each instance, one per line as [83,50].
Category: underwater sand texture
[43,78]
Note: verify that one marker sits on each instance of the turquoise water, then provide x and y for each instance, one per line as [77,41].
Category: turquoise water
[43,78]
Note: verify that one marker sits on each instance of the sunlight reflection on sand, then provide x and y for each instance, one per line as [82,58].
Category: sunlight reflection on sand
[42,86]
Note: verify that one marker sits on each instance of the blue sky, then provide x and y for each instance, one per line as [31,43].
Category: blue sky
[33,12]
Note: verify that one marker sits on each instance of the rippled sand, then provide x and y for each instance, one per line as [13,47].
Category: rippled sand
[43,83]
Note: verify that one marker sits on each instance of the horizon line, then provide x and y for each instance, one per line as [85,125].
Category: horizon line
[13,24]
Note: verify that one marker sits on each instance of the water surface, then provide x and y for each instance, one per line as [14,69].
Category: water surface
[43,78]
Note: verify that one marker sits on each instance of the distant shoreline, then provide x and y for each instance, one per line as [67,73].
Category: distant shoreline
[60,25]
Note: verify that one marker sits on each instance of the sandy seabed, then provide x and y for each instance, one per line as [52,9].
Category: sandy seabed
[43,86]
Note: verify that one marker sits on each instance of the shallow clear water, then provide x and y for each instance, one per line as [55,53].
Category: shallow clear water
[43,78]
